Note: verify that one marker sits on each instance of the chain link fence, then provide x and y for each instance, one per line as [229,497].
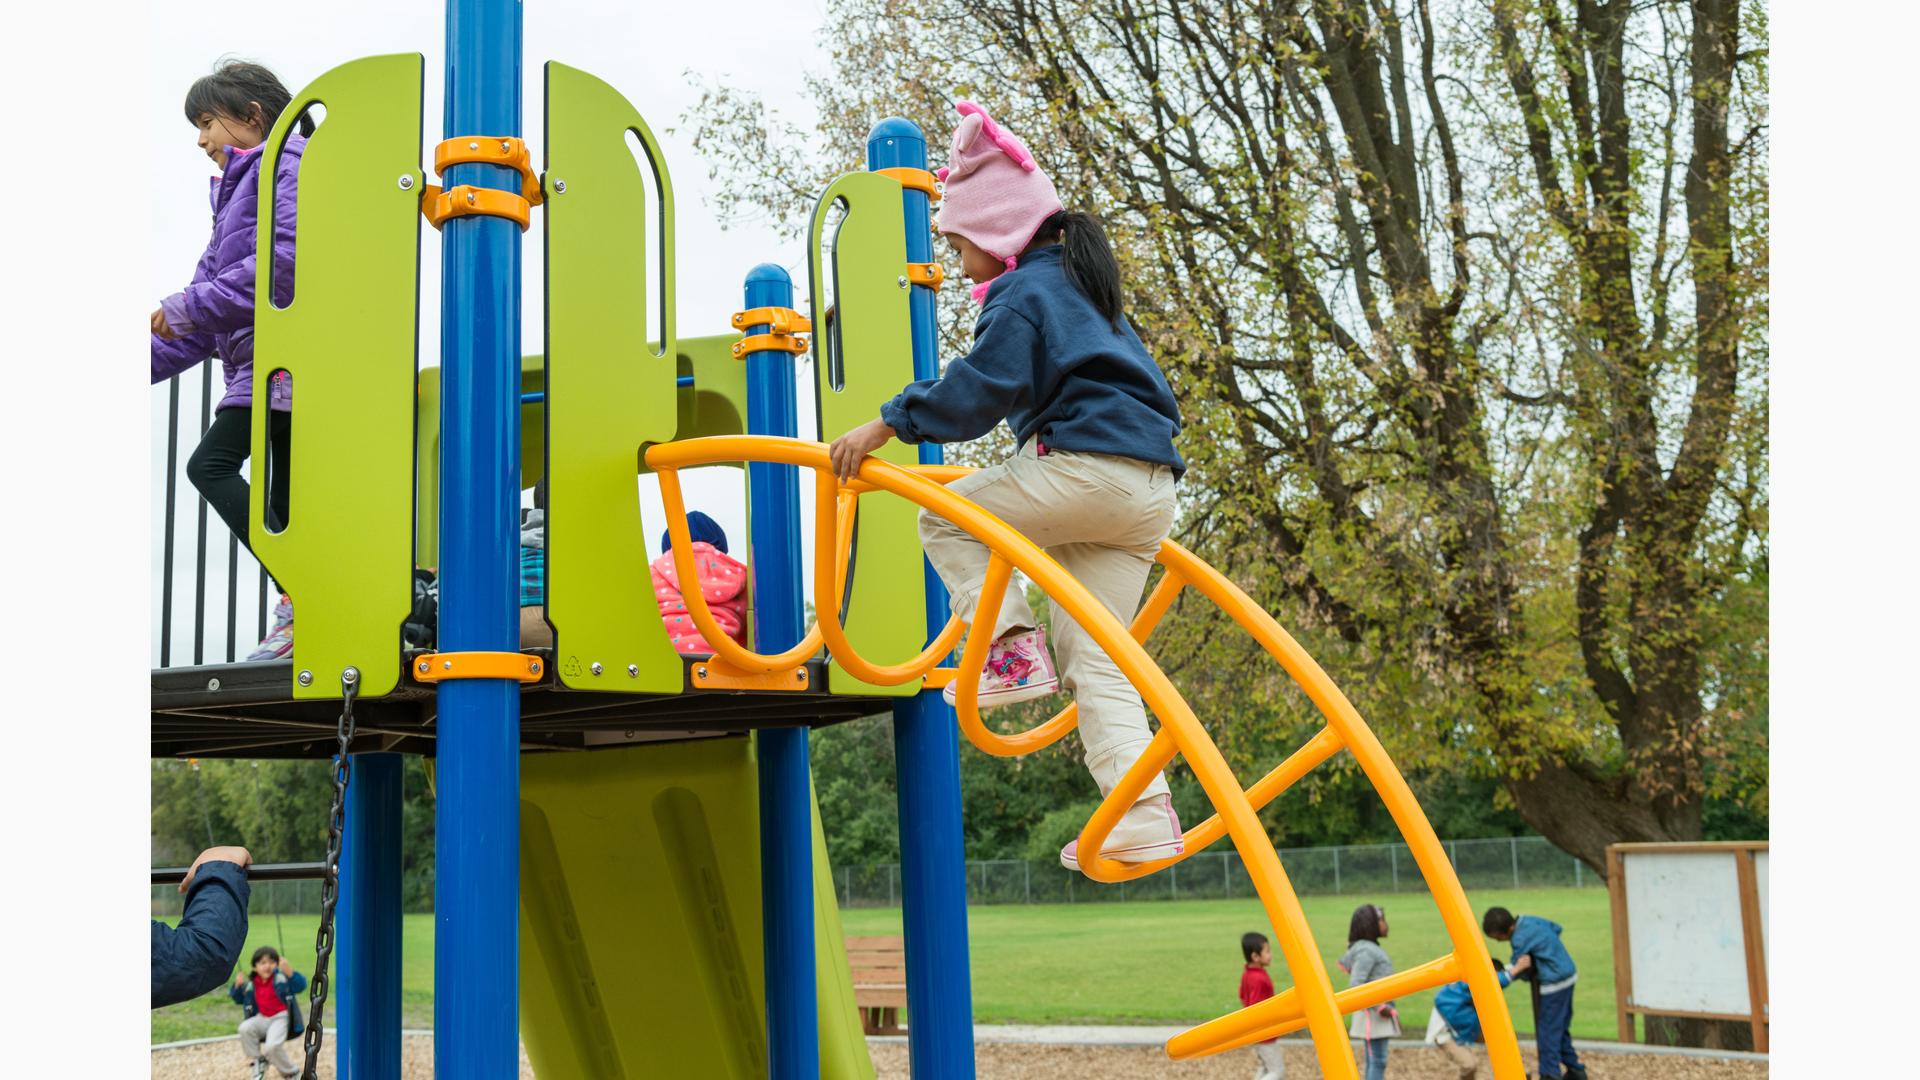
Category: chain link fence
[1518,862]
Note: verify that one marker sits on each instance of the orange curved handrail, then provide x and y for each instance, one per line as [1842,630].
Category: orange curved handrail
[1311,1002]
[835,569]
[826,604]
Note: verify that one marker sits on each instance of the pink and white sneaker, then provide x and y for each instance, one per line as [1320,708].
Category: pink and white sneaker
[278,644]
[1018,668]
[1149,830]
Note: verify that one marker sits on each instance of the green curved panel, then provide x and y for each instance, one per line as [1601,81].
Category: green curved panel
[349,341]
[609,393]
[885,616]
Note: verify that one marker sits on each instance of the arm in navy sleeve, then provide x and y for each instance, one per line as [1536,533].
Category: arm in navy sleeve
[977,391]
[196,956]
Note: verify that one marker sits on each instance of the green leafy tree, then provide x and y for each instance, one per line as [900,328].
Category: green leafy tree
[1466,305]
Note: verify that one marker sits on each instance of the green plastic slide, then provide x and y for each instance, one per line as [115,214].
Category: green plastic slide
[640,918]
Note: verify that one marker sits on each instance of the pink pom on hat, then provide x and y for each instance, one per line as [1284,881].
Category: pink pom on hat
[996,195]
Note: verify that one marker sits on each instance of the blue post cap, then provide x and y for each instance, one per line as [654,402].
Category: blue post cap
[769,274]
[899,130]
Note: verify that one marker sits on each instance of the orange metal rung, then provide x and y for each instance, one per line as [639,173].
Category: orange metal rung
[928,274]
[439,667]
[917,179]
[466,199]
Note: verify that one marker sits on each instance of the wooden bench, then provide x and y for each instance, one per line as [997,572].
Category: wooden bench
[879,982]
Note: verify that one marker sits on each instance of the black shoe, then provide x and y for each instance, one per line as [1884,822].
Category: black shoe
[1576,1072]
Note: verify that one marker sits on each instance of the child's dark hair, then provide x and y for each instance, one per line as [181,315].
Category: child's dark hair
[264,952]
[1498,920]
[1251,944]
[1365,925]
[234,88]
[1088,258]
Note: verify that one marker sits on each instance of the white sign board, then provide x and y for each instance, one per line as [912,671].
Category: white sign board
[1687,946]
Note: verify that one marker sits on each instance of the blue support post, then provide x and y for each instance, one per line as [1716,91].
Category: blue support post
[367,960]
[926,737]
[476,1009]
[786,809]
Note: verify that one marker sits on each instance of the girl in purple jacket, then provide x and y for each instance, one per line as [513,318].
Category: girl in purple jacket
[232,110]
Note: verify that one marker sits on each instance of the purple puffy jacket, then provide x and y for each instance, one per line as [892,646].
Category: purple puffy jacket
[214,314]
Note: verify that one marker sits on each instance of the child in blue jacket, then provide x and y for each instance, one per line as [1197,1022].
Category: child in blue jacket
[1093,479]
[1455,1026]
[1553,972]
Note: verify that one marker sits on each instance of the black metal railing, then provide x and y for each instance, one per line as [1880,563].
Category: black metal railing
[173,582]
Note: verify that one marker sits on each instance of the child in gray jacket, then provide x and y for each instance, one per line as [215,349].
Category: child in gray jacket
[1364,961]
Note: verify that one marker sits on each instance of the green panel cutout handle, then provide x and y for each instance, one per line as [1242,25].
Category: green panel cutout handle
[610,387]
[868,350]
[348,339]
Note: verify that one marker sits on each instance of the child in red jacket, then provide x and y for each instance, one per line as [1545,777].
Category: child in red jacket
[723,582]
[1257,986]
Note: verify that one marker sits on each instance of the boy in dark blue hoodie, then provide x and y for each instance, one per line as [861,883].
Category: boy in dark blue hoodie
[1554,975]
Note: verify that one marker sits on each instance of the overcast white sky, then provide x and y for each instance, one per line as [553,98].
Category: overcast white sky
[645,50]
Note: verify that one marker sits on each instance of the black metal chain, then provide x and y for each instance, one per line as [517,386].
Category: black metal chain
[330,884]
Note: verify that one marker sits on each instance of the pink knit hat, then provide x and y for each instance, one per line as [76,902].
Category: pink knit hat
[996,195]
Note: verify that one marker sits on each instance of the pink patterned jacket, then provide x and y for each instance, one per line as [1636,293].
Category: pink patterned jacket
[723,582]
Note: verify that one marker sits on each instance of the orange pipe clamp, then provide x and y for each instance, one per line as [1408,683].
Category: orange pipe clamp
[929,274]
[917,179]
[466,199]
[786,324]
[511,153]
[439,667]
[505,151]
[783,320]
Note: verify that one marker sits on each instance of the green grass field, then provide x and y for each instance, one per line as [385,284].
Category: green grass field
[1179,961]
[1165,962]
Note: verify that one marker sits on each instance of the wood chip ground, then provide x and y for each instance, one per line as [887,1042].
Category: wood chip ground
[994,1061]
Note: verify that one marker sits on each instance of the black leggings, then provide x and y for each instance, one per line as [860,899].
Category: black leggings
[214,467]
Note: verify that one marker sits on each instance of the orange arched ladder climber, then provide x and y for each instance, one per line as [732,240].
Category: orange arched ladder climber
[1311,1001]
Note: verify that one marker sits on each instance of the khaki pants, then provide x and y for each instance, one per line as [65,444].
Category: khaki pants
[267,1034]
[1273,1064]
[1465,1061]
[1102,518]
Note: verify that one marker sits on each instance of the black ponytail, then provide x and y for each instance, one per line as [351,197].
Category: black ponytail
[234,88]
[1089,259]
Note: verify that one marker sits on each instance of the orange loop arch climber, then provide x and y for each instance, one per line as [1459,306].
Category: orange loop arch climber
[1311,1001]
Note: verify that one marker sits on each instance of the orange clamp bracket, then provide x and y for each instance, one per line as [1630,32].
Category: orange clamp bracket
[782,342]
[783,320]
[917,179]
[786,323]
[439,667]
[929,274]
[502,150]
[466,199]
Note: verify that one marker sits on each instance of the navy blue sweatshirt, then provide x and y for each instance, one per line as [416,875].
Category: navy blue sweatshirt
[1048,363]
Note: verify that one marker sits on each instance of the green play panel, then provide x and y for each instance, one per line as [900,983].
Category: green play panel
[348,341]
[885,612]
